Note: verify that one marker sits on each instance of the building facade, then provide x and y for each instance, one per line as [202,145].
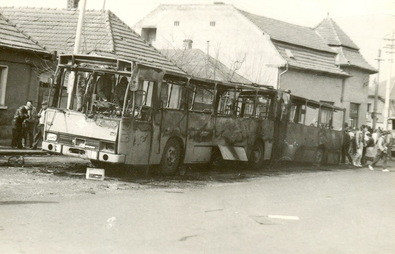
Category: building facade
[268,51]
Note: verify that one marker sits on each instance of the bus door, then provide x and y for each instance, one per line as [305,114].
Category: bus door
[136,129]
[170,118]
[200,122]
[280,124]
[228,136]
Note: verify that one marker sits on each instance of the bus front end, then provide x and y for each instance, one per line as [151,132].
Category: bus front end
[74,134]
[88,97]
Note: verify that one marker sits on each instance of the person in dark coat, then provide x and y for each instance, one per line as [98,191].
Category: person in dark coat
[17,129]
[346,147]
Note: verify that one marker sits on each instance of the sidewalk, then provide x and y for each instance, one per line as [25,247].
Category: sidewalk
[5,149]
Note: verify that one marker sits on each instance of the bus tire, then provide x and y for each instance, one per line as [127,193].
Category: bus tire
[171,157]
[257,156]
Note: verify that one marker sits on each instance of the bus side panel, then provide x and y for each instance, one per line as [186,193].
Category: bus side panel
[333,146]
[135,141]
[169,123]
[302,142]
[200,137]
[244,132]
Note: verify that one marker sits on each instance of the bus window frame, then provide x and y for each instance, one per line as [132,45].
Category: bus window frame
[206,86]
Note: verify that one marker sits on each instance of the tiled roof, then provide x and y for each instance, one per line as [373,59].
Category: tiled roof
[103,32]
[198,64]
[288,33]
[11,37]
[334,35]
[348,51]
[352,57]
[308,59]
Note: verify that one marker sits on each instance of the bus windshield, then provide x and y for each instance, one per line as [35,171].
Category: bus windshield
[102,87]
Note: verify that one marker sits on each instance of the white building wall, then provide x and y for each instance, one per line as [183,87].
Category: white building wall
[234,40]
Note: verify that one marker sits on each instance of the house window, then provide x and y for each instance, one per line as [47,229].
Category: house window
[148,34]
[369,107]
[3,83]
[354,111]
[212,23]
[176,23]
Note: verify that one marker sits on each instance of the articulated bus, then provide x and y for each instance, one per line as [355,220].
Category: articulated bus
[112,111]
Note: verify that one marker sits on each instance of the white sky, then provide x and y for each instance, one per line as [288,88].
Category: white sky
[365,21]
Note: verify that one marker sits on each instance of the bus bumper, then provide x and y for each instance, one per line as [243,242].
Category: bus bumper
[82,153]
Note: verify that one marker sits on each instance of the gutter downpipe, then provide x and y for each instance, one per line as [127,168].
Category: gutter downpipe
[282,73]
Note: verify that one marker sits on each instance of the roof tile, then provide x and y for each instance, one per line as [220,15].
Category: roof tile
[288,33]
[102,32]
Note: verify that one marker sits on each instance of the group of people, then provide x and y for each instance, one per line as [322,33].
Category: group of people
[28,126]
[366,147]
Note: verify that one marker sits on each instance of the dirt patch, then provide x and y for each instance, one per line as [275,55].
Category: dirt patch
[47,176]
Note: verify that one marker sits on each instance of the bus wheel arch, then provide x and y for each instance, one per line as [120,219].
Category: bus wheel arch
[172,156]
[257,154]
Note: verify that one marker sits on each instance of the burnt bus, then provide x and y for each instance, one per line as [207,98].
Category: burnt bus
[113,111]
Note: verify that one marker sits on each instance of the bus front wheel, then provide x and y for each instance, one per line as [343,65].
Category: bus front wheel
[171,157]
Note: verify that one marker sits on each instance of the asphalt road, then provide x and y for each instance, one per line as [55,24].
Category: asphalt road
[289,210]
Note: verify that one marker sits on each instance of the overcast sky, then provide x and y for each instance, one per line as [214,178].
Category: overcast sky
[365,21]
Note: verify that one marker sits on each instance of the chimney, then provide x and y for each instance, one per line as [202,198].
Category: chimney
[188,44]
[72,4]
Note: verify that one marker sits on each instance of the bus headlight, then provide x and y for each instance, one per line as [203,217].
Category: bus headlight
[52,137]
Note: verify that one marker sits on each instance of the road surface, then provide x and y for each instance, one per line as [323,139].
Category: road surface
[327,210]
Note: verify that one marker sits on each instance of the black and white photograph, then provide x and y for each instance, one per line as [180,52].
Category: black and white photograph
[197,126]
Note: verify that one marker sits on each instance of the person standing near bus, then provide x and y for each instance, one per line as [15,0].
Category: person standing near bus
[30,124]
[365,139]
[359,147]
[346,146]
[370,148]
[40,127]
[381,152]
[17,129]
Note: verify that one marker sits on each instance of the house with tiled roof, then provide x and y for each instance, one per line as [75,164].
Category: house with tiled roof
[28,36]
[263,50]
[349,59]
[22,60]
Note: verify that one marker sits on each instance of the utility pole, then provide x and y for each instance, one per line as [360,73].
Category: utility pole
[376,91]
[77,46]
[80,24]
[391,50]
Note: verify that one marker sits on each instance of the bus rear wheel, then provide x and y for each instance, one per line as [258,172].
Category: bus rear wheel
[171,157]
[319,157]
[257,156]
